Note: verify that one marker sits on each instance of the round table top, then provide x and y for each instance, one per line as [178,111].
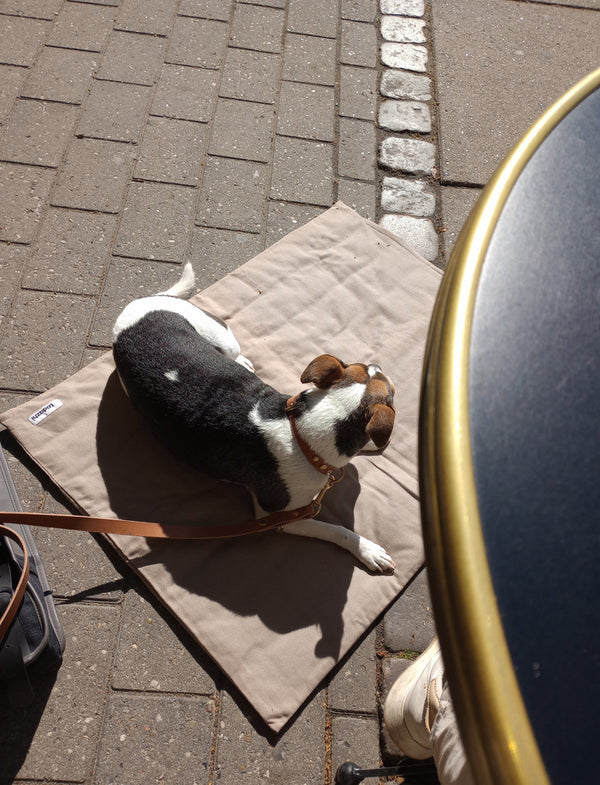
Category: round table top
[534,408]
[510,428]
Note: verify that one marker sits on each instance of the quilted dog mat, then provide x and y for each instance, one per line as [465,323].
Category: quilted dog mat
[275,611]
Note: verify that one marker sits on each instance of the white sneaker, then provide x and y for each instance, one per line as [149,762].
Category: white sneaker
[413,703]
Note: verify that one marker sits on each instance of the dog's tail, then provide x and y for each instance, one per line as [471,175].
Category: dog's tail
[185,286]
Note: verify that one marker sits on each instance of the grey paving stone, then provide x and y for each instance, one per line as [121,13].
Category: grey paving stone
[491,93]
[76,564]
[358,44]
[216,252]
[358,92]
[408,624]
[405,84]
[102,2]
[24,191]
[295,758]
[359,10]
[361,197]
[257,27]
[284,217]
[354,739]
[156,739]
[38,9]
[94,175]
[20,39]
[61,75]
[127,279]
[392,670]
[306,111]
[43,339]
[208,9]
[354,686]
[64,743]
[132,58]
[251,76]
[153,17]
[82,26]
[172,151]
[403,7]
[302,171]
[242,130]
[185,93]
[12,262]
[114,111]
[155,222]
[403,30]
[310,59]
[457,203]
[403,195]
[408,155]
[151,657]
[232,194]
[37,132]
[11,79]
[71,253]
[411,57]
[197,42]
[357,149]
[405,116]
[313,18]
[418,233]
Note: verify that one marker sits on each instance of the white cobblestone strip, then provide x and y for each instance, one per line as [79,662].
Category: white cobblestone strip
[407,200]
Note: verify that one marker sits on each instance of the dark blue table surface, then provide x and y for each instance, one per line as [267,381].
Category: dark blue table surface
[534,407]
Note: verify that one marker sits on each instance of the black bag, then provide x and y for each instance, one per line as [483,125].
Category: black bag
[33,641]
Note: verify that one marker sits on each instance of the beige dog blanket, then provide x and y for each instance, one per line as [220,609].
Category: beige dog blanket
[276,612]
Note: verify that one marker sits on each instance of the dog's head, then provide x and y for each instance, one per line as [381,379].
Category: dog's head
[365,397]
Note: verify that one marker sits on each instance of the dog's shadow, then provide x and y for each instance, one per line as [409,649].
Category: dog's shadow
[288,582]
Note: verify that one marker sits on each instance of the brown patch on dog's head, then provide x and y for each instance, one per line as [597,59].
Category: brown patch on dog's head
[381,424]
[324,371]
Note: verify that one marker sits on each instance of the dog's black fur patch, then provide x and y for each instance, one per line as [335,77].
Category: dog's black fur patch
[202,412]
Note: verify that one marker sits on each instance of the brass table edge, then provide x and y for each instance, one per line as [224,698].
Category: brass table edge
[499,740]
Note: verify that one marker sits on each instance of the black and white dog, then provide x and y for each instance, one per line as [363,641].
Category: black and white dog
[183,370]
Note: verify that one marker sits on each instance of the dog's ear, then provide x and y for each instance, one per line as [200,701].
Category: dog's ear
[323,371]
[379,427]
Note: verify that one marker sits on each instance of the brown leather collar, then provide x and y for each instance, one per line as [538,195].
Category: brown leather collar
[313,458]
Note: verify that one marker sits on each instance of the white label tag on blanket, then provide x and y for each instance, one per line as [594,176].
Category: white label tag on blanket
[41,414]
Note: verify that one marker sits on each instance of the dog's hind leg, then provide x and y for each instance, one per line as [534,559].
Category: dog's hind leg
[369,553]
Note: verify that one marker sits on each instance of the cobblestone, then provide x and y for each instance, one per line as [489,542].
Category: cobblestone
[403,30]
[405,116]
[419,233]
[412,57]
[408,155]
[412,197]
[404,7]
[404,84]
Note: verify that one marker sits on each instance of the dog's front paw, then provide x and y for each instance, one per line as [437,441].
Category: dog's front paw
[374,556]
[245,362]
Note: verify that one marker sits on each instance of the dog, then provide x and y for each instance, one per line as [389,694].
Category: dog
[182,368]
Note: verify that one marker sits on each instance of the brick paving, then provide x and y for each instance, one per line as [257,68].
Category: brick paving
[137,134]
